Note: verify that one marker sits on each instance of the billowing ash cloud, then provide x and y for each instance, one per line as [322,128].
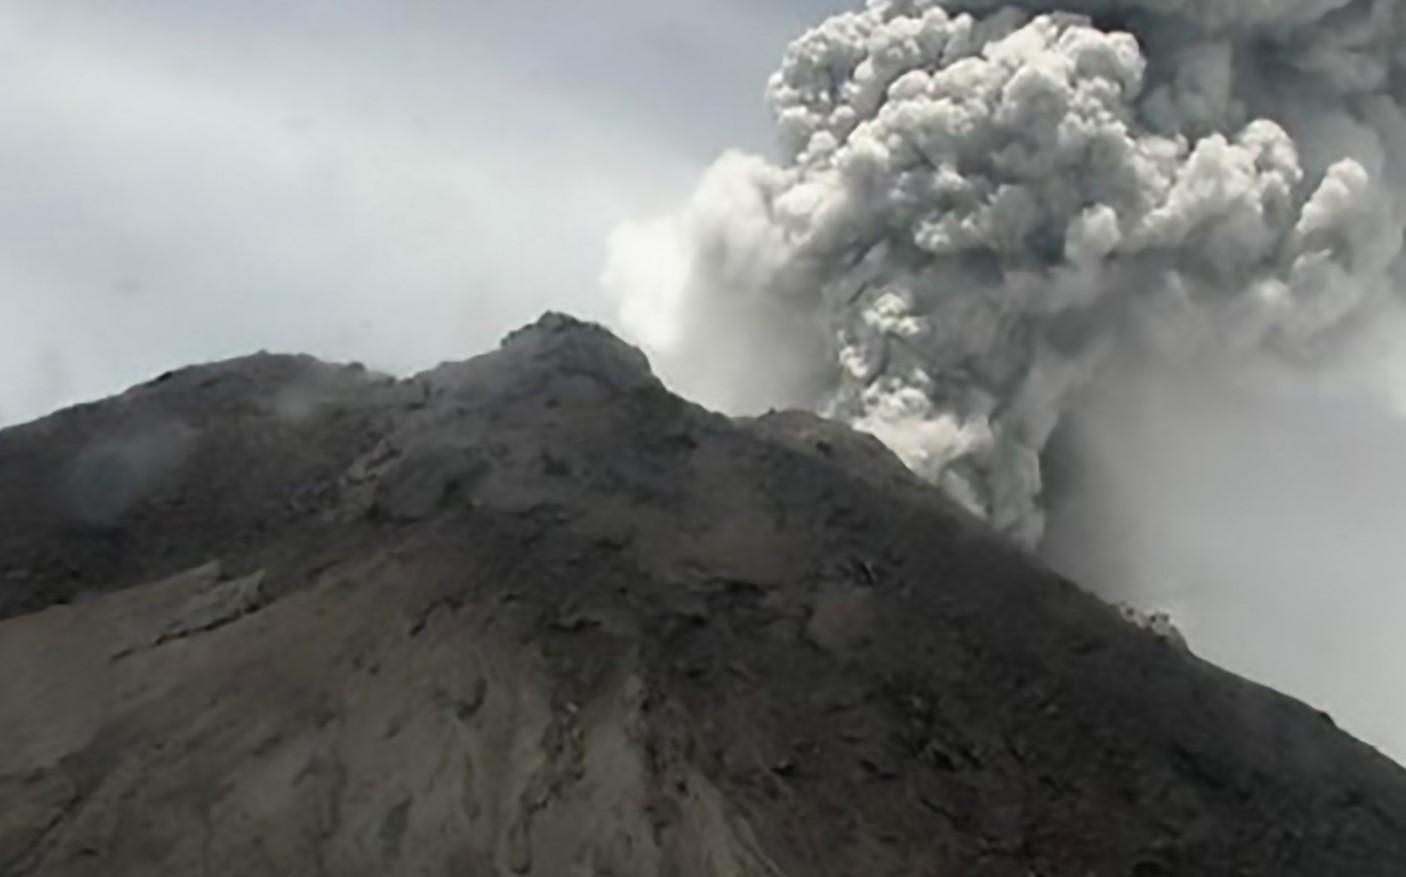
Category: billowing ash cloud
[978,205]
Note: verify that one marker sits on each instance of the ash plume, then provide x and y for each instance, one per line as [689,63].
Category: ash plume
[979,209]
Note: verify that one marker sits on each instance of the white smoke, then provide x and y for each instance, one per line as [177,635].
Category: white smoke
[997,232]
[974,209]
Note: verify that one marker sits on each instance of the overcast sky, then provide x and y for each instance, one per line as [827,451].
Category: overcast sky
[393,182]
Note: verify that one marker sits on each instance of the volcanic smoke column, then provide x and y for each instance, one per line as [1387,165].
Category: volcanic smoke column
[974,207]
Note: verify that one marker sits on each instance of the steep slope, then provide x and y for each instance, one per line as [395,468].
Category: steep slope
[531,614]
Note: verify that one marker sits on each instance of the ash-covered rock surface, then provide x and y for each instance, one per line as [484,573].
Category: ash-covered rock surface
[531,614]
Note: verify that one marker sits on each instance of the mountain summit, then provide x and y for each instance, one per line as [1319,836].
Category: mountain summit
[532,614]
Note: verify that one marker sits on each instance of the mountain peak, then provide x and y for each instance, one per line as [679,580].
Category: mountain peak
[531,614]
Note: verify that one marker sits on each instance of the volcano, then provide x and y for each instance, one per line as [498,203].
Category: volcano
[533,614]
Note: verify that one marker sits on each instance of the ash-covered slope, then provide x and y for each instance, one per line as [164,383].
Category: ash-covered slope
[533,615]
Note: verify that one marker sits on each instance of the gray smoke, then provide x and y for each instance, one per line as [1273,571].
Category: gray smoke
[1075,261]
[114,473]
[975,207]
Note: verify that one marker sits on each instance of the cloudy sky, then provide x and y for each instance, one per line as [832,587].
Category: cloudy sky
[396,183]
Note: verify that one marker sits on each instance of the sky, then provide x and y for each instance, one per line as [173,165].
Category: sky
[392,183]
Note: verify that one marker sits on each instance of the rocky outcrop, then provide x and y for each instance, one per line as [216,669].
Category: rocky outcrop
[531,614]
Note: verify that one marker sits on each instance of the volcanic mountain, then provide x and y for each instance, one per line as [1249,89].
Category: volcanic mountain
[532,614]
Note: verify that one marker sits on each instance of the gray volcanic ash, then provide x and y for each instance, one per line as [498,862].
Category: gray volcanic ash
[996,231]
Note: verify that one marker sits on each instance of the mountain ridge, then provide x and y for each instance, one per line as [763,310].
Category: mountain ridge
[533,614]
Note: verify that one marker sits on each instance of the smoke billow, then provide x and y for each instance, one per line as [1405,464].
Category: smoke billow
[988,219]
[974,210]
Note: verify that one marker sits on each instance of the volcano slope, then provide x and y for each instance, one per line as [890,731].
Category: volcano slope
[531,614]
